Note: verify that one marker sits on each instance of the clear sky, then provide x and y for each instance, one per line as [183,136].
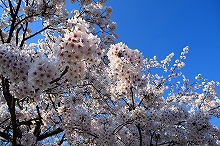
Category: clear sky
[159,27]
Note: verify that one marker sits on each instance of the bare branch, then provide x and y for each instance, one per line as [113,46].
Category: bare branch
[48,134]
[5,136]
[62,74]
[14,17]
[140,134]
[2,38]
[11,105]
[24,34]
[37,129]
[36,33]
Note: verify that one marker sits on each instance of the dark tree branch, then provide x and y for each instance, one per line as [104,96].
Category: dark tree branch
[24,34]
[36,33]
[28,122]
[2,38]
[62,74]
[4,121]
[37,129]
[140,134]
[48,134]
[18,7]
[11,105]
[132,97]
[24,19]
[13,16]
[17,35]
[82,131]
[54,106]
[119,127]
[170,143]
[62,140]
[5,136]
[130,108]
[11,8]
[151,138]
[3,2]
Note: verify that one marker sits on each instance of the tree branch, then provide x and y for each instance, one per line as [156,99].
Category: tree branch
[37,129]
[132,97]
[28,122]
[4,121]
[140,134]
[4,135]
[13,16]
[24,34]
[17,34]
[119,127]
[36,33]
[51,133]
[11,105]
[2,38]
[62,140]
[62,74]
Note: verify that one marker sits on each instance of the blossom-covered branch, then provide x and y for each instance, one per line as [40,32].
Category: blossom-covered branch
[77,86]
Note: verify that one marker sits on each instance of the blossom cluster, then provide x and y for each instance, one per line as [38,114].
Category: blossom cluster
[14,64]
[96,14]
[125,67]
[78,49]
[41,73]
[77,119]
[52,11]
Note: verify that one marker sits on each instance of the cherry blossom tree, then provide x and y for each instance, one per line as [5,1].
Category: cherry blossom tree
[77,86]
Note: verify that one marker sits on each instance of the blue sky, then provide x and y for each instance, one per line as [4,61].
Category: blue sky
[159,27]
